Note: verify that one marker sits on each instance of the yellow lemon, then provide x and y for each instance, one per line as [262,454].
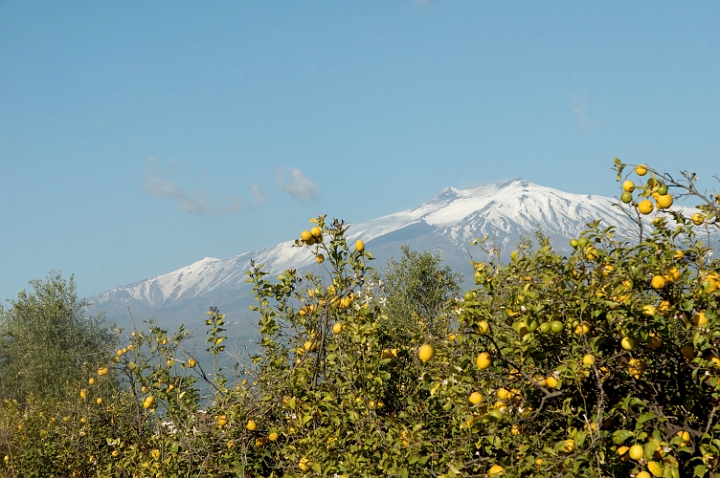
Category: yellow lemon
[645,206]
[636,367]
[91,381]
[482,327]
[496,470]
[658,282]
[552,382]
[251,425]
[628,186]
[697,219]
[359,245]
[426,352]
[304,464]
[337,328]
[191,362]
[589,360]
[475,398]
[484,360]
[699,319]
[641,170]
[628,343]
[648,310]
[637,452]
[273,436]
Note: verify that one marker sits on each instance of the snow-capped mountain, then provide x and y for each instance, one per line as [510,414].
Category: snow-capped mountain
[446,224]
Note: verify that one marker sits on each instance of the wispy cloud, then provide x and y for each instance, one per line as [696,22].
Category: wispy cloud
[157,182]
[294,182]
[159,179]
[579,107]
[258,194]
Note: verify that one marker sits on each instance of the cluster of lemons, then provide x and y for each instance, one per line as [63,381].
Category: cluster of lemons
[659,191]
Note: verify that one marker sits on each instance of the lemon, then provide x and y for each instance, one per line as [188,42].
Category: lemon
[251,425]
[273,436]
[645,206]
[320,258]
[359,246]
[654,342]
[658,282]
[699,319]
[484,360]
[552,382]
[648,310]
[191,362]
[304,464]
[475,398]
[589,360]
[426,352]
[643,474]
[628,343]
[91,381]
[636,452]
[337,328]
[636,367]
[664,202]
[641,170]
[583,328]
[306,236]
[628,186]
[496,470]
[688,352]
[482,327]
[697,219]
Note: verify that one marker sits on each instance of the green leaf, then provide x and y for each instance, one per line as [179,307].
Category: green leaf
[621,435]
[700,470]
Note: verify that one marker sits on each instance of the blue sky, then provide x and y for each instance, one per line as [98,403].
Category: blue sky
[139,137]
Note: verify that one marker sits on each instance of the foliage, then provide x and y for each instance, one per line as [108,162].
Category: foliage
[416,286]
[46,342]
[605,362]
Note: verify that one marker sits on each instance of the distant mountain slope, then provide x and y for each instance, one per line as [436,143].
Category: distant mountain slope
[446,224]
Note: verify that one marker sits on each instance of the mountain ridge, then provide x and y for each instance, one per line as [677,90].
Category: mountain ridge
[446,223]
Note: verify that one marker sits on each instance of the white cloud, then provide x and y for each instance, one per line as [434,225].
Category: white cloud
[158,183]
[294,182]
[258,194]
[579,107]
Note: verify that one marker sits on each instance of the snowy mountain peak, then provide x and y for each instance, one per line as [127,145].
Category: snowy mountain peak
[504,210]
